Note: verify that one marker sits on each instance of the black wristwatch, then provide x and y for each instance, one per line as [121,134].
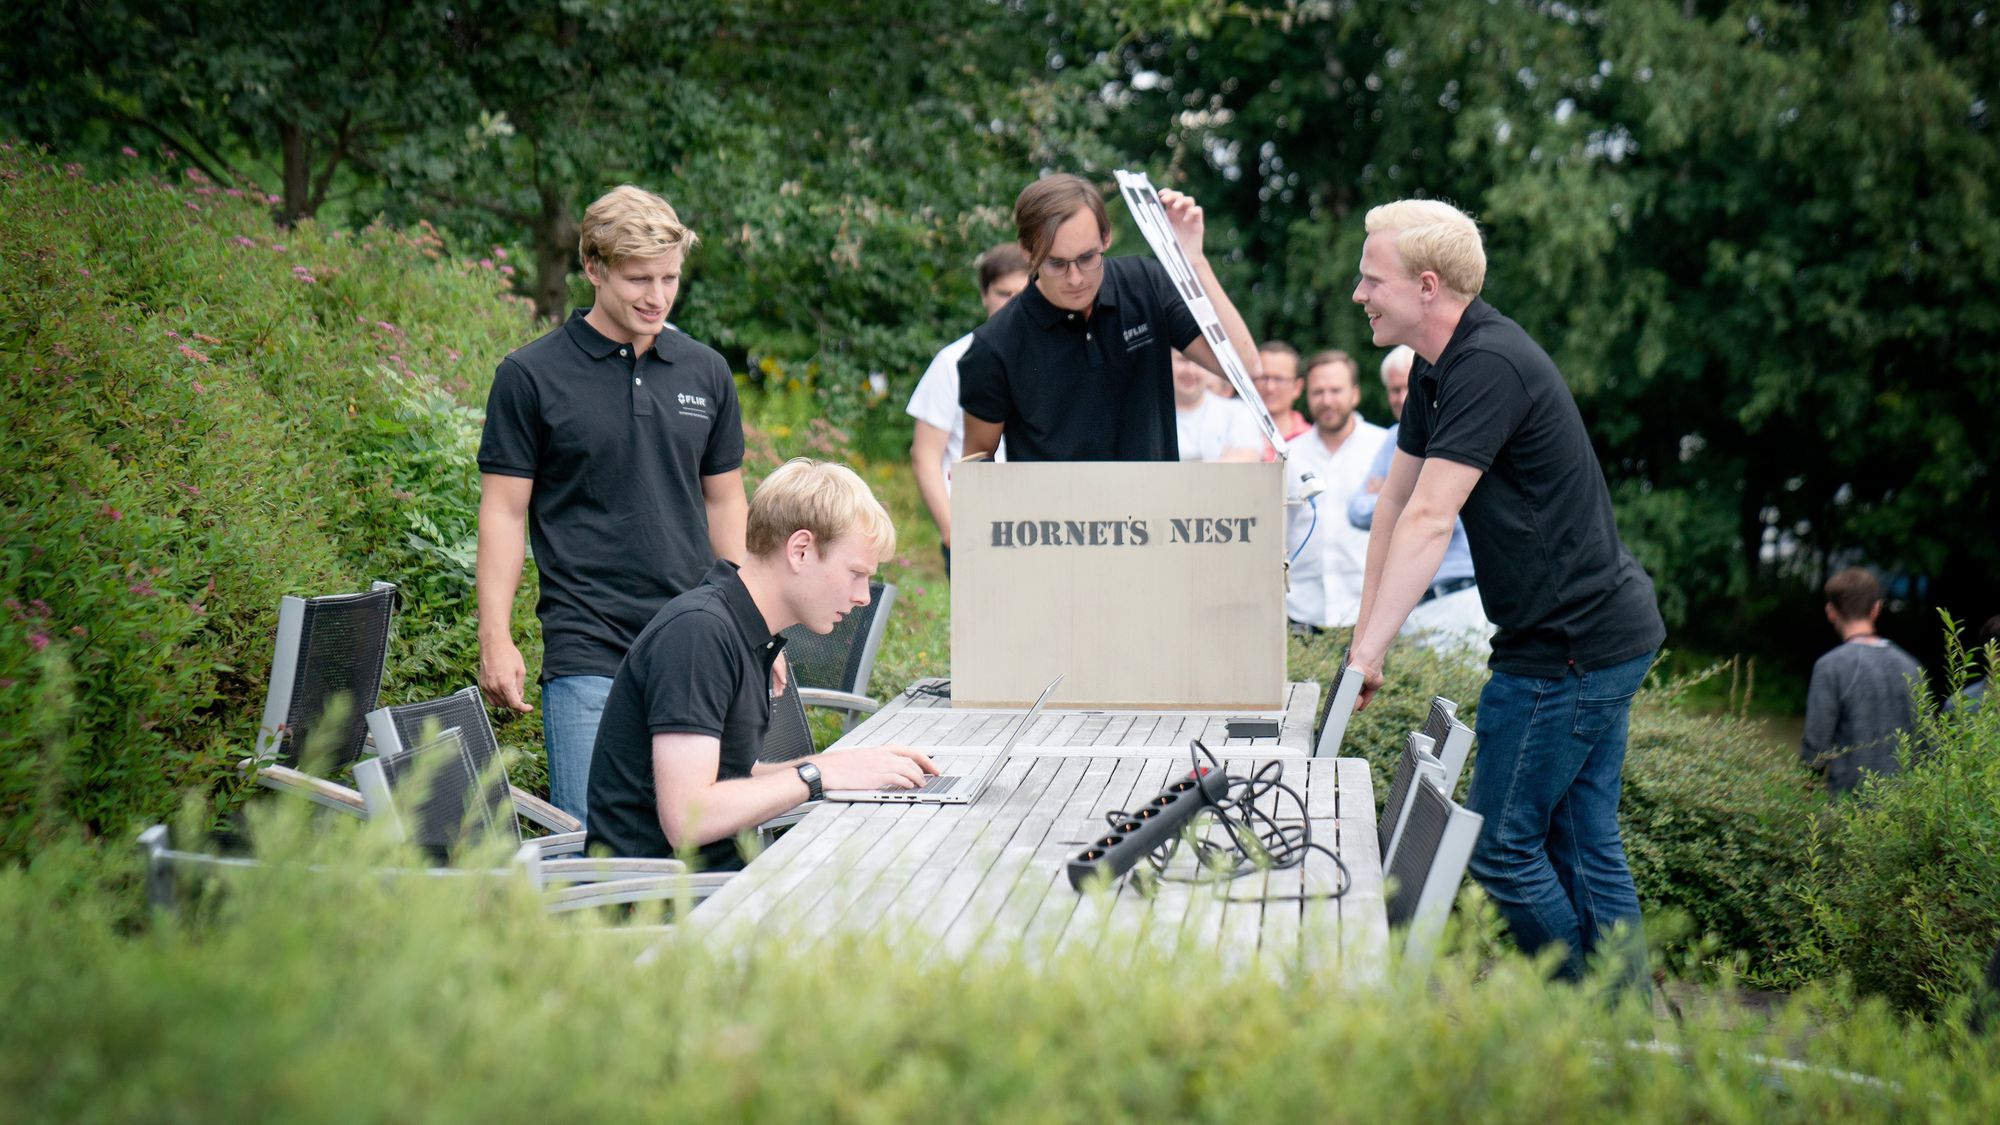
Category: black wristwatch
[809,774]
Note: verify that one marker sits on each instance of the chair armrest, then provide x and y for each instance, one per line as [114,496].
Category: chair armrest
[607,868]
[559,844]
[652,888]
[541,812]
[838,700]
[318,790]
[787,819]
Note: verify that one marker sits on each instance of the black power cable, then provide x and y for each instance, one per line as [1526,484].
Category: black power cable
[1259,840]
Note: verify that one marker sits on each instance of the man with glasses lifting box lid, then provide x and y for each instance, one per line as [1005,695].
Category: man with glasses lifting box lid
[1079,366]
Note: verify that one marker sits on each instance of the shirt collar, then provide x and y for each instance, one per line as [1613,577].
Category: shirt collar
[743,608]
[1047,314]
[1475,314]
[597,345]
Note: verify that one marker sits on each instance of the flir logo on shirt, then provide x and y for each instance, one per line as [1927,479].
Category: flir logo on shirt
[1138,336]
[694,406]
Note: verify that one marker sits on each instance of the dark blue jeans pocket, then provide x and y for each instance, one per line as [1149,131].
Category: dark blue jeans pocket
[1605,696]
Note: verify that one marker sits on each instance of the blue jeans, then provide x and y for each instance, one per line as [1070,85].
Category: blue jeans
[1551,756]
[571,707]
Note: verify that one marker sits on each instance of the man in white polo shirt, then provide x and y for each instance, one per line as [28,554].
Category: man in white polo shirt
[940,436]
[1211,428]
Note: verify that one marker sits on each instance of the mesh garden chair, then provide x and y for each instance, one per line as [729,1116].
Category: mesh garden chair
[1336,706]
[1415,763]
[441,785]
[1452,738]
[835,667]
[444,788]
[328,648]
[1428,866]
[169,870]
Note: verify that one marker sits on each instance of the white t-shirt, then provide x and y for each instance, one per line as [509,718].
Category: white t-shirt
[936,401]
[1326,576]
[1216,426]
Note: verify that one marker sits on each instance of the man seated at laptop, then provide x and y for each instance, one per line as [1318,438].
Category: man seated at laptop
[675,769]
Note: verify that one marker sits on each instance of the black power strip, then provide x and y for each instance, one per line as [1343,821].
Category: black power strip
[1152,824]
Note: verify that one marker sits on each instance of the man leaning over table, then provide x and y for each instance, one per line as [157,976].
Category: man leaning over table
[1491,433]
[676,767]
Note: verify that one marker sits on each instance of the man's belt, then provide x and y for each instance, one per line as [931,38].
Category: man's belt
[1448,586]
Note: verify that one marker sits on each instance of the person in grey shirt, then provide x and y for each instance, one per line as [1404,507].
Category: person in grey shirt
[1859,700]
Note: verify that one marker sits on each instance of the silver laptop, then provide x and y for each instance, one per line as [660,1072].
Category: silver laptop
[951,788]
[1339,708]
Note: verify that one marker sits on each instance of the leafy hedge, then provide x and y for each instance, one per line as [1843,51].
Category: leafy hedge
[1902,889]
[329,996]
[1714,818]
[202,414]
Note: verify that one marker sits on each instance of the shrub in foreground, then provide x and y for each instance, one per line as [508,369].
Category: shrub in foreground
[338,995]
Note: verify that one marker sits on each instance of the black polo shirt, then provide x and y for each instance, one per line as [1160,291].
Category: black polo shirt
[616,444]
[1075,388]
[1553,574]
[703,666]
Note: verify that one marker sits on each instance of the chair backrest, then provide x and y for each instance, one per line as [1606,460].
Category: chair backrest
[1336,706]
[1415,762]
[790,736]
[1453,740]
[843,659]
[1428,866]
[438,779]
[328,648]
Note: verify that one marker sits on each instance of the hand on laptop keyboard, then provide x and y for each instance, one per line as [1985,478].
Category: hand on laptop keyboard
[875,767]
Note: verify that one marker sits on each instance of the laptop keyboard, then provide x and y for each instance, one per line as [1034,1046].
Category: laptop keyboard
[942,784]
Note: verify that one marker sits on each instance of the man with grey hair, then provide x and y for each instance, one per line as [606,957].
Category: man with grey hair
[1448,617]
[1490,434]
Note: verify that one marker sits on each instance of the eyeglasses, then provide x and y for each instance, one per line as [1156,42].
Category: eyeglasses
[1274,380]
[1086,264]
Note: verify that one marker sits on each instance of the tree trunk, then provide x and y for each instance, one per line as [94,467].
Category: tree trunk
[297,203]
[555,253]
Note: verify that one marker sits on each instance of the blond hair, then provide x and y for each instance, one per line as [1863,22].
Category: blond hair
[826,499]
[631,222]
[1435,236]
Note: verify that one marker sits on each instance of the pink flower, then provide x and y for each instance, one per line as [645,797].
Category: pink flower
[39,640]
[193,355]
[143,588]
[173,335]
[278,247]
[500,252]
[486,263]
[274,199]
[240,240]
[199,389]
[507,271]
[303,274]
[233,193]
[128,150]
[111,513]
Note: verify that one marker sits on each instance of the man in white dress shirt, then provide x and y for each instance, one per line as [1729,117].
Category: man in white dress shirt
[1329,556]
[1211,428]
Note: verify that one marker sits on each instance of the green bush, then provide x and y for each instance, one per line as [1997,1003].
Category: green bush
[204,413]
[1714,818]
[1902,890]
[336,995]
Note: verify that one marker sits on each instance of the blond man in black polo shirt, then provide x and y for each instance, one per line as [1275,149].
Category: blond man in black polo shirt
[1079,366]
[676,769]
[1491,434]
[616,439]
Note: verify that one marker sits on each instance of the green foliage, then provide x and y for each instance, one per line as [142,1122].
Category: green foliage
[1715,817]
[328,995]
[203,414]
[1902,892]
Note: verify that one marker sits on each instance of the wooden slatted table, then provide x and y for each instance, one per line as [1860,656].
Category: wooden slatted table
[990,879]
[926,721]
